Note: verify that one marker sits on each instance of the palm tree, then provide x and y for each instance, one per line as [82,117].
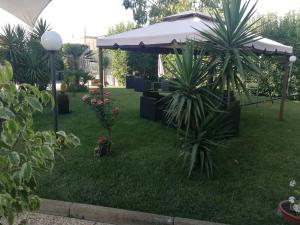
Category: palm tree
[23,50]
[75,53]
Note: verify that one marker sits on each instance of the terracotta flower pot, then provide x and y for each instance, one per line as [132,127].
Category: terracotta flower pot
[284,208]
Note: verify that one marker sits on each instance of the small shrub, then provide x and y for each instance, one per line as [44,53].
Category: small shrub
[24,152]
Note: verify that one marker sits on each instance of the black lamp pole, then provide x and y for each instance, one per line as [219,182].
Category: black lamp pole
[53,79]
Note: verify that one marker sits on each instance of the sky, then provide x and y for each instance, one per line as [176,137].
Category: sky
[71,18]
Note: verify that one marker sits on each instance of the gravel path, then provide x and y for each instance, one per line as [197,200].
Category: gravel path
[42,219]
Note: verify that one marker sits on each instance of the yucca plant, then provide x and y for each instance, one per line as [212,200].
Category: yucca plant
[191,106]
[227,40]
[198,150]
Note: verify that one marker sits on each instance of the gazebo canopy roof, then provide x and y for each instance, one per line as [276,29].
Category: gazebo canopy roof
[174,31]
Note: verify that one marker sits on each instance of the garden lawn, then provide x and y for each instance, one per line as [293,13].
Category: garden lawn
[144,173]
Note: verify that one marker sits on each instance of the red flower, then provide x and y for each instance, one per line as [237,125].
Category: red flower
[106,100]
[115,110]
[85,98]
[101,140]
[100,103]
[106,94]
[94,101]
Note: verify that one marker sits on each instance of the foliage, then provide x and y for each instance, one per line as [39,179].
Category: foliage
[226,42]
[198,150]
[23,50]
[191,107]
[77,79]
[284,29]
[119,57]
[144,63]
[106,113]
[24,152]
[154,11]
[75,54]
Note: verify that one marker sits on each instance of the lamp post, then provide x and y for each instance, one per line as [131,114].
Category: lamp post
[288,70]
[292,60]
[52,42]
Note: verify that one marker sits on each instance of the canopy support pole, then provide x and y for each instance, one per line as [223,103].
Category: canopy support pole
[101,72]
[284,89]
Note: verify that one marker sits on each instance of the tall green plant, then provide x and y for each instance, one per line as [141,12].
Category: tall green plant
[227,40]
[191,106]
[22,48]
[24,152]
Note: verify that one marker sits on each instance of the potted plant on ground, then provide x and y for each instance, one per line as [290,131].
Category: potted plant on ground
[290,209]
[193,109]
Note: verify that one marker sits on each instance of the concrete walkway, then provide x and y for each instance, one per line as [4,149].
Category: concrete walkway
[43,219]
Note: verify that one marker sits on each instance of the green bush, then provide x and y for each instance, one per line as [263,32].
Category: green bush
[24,152]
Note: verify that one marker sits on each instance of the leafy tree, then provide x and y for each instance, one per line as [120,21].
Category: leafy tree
[154,10]
[286,30]
[119,57]
[24,152]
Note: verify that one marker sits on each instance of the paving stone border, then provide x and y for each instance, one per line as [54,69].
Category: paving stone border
[112,215]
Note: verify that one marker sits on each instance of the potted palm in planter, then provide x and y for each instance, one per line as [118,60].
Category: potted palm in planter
[193,109]
[290,209]
[226,43]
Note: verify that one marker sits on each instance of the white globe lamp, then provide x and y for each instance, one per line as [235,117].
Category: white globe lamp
[293,59]
[51,41]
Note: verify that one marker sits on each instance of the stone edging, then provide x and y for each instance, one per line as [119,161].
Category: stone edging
[112,215]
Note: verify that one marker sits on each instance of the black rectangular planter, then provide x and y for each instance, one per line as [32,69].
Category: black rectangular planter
[151,106]
[141,85]
[130,82]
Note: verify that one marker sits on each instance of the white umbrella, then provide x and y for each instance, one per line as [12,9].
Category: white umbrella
[26,10]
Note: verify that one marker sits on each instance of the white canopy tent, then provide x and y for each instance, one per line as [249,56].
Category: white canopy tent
[174,31]
[26,10]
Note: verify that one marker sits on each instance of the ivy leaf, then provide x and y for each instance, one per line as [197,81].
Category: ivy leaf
[10,132]
[26,172]
[6,72]
[6,113]
[14,158]
[49,153]
[35,104]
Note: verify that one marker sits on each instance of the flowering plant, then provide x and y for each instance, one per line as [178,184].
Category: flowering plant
[295,199]
[106,113]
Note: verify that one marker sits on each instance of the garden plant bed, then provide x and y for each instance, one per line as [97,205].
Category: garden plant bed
[143,172]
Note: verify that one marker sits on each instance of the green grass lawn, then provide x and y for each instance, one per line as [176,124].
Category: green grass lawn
[144,174]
